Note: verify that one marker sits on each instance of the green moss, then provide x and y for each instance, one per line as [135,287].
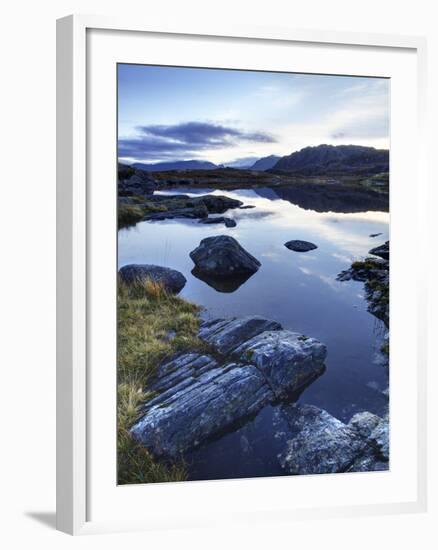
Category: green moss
[367,264]
[146,315]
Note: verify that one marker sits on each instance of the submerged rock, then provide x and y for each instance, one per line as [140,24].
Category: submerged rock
[222,256]
[204,395]
[172,280]
[300,246]
[319,443]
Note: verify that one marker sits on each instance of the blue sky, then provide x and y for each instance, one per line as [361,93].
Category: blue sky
[176,113]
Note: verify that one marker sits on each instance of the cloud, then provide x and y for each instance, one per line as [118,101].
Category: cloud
[179,141]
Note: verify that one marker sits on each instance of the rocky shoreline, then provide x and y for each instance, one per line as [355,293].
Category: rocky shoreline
[374,272]
[244,365]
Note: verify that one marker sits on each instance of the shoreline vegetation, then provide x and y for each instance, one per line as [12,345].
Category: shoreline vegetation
[153,325]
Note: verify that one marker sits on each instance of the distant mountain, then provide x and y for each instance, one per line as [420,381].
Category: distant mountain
[243,163]
[335,159]
[265,163]
[176,165]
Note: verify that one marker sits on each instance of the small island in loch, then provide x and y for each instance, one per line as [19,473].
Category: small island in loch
[253,292]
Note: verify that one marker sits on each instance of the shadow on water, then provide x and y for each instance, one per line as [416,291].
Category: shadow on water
[220,284]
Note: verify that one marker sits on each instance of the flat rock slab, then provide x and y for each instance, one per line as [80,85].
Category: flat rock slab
[172,280]
[252,363]
[228,334]
[300,246]
[319,443]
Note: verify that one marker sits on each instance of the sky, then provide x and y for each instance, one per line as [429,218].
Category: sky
[234,117]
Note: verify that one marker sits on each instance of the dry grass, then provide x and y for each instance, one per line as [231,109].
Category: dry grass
[152,325]
[129,214]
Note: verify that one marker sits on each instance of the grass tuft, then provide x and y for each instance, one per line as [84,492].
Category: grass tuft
[129,214]
[147,314]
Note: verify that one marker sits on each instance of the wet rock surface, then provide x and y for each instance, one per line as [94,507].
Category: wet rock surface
[300,246]
[319,443]
[224,257]
[172,280]
[251,362]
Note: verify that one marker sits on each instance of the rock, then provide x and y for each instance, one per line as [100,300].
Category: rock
[375,235]
[219,219]
[300,246]
[209,221]
[200,396]
[319,443]
[368,462]
[364,423]
[223,256]
[193,212]
[206,402]
[247,206]
[228,334]
[382,251]
[289,360]
[380,437]
[140,183]
[172,280]
[217,204]
[183,206]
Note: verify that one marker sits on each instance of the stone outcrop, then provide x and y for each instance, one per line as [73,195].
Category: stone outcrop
[223,257]
[173,281]
[319,443]
[251,362]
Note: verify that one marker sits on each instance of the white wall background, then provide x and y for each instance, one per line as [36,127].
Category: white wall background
[27,304]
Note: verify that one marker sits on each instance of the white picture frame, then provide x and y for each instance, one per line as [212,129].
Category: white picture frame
[75,218]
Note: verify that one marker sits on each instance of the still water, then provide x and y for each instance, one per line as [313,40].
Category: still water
[300,291]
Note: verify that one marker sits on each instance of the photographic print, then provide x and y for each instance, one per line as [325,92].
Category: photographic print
[253,274]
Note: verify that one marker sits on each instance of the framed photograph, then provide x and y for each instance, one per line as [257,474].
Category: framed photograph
[235,340]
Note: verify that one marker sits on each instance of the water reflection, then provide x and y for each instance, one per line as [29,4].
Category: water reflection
[229,284]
